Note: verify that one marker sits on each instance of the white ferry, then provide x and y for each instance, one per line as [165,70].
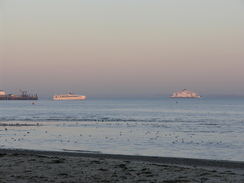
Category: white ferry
[69,96]
[185,94]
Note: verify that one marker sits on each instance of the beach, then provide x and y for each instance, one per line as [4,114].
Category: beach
[26,166]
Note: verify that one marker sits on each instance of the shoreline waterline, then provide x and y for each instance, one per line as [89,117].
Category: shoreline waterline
[128,138]
[151,159]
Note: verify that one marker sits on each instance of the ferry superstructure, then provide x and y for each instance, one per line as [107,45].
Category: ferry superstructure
[69,96]
[185,94]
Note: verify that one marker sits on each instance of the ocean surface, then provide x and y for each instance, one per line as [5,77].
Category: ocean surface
[206,128]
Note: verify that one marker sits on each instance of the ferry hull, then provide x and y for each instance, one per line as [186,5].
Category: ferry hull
[185,97]
[77,98]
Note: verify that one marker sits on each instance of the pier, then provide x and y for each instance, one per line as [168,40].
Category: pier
[23,96]
[18,97]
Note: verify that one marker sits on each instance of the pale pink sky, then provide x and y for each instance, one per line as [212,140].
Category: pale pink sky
[122,48]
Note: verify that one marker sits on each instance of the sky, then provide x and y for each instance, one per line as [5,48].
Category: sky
[123,48]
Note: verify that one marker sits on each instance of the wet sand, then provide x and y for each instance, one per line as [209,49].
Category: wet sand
[23,166]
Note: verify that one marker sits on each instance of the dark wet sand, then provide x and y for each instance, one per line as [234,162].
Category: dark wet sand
[25,166]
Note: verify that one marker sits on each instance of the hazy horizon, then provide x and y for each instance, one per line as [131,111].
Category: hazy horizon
[108,49]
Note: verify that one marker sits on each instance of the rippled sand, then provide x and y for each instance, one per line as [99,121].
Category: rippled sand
[36,166]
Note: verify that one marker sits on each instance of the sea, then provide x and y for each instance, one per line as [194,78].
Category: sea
[205,128]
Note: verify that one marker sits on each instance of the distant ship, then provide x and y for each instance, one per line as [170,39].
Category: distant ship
[185,94]
[69,96]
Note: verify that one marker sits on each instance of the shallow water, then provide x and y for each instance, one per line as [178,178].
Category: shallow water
[193,128]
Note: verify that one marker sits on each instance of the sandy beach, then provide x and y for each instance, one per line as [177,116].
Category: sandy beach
[23,166]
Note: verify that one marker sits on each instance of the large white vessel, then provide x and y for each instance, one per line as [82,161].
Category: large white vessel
[69,96]
[185,94]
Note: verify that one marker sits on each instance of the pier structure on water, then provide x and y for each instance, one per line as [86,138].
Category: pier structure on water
[24,96]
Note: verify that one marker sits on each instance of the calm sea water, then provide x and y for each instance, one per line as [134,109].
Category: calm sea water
[194,128]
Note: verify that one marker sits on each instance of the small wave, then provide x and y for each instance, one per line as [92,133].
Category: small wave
[69,119]
[208,124]
[82,151]
[19,124]
[226,132]
[106,119]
